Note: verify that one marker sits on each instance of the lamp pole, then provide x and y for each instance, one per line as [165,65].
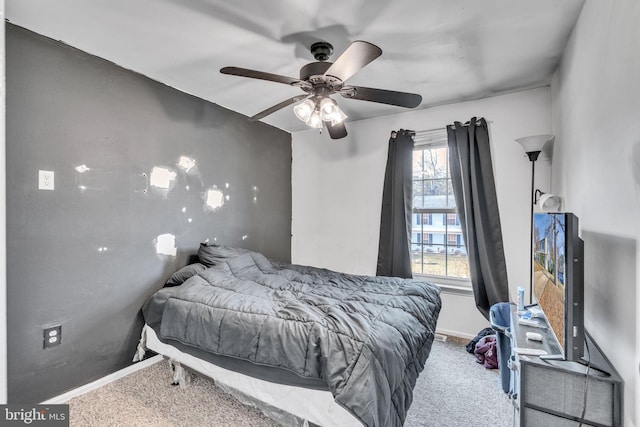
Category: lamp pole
[533,146]
[533,156]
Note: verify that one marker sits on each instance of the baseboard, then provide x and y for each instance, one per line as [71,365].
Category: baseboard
[65,397]
[455,334]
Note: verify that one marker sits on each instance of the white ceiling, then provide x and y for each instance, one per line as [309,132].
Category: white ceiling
[444,50]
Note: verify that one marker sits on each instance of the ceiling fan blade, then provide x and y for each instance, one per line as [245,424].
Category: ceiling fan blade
[391,97]
[353,59]
[245,72]
[279,106]
[337,131]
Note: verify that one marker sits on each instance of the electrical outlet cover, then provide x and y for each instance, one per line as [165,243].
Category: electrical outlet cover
[52,336]
[46,180]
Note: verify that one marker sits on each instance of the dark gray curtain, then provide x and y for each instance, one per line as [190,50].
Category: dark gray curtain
[475,193]
[394,257]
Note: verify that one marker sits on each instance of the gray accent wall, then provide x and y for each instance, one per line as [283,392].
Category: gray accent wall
[142,174]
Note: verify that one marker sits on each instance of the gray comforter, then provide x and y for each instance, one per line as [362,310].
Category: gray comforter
[367,337]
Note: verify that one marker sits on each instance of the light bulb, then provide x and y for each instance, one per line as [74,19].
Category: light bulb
[304,109]
[328,109]
[314,120]
[330,112]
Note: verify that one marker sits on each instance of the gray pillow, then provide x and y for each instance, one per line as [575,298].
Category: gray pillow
[211,254]
[184,273]
[246,263]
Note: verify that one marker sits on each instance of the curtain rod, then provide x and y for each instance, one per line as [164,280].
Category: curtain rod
[426,131]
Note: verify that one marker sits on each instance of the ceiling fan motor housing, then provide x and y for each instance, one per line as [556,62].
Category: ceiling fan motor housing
[313,69]
[314,74]
[321,50]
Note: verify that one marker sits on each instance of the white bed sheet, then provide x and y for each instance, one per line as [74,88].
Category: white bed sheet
[285,403]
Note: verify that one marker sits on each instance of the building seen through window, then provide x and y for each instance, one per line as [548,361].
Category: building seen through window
[437,245]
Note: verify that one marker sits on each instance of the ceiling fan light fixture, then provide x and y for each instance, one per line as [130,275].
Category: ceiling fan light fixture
[304,110]
[338,117]
[327,108]
[330,112]
[314,112]
[314,121]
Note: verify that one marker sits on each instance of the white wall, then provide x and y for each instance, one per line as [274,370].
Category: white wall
[595,115]
[337,190]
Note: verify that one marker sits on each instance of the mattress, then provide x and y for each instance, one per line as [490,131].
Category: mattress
[288,404]
[364,339]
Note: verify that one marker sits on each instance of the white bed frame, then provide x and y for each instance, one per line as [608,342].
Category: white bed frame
[289,405]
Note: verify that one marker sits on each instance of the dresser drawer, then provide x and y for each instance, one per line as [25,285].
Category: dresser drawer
[533,417]
[562,392]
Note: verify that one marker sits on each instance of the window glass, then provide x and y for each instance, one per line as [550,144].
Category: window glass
[437,245]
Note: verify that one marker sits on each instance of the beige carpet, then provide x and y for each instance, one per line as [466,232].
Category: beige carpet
[146,398]
[452,391]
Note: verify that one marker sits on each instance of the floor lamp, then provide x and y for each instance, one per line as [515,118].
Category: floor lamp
[532,145]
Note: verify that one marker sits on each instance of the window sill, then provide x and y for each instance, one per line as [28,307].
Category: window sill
[455,287]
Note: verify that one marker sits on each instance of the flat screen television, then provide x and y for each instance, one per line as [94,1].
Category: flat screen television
[558,284]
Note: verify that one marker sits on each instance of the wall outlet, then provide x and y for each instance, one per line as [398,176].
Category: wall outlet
[52,336]
[45,180]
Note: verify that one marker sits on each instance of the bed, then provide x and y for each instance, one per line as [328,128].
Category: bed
[323,347]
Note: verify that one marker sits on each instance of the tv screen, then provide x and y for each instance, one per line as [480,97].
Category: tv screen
[558,279]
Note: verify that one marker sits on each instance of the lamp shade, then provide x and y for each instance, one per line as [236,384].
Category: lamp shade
[314,121]
[549,202]
[304,110]
[534,143]
[330,112]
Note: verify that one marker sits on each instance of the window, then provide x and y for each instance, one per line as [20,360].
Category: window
[428,238]
[438,248]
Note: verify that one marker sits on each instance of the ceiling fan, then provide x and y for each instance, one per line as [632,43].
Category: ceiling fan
[321,79]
